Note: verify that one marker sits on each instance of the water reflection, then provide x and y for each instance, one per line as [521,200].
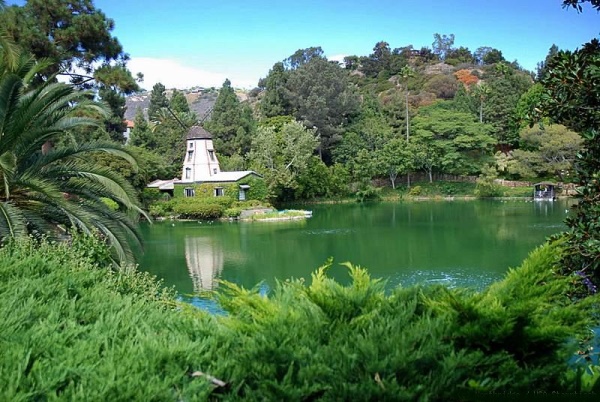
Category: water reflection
[204,259]
[454,243]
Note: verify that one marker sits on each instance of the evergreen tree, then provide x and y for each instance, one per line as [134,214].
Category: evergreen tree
[179,103]
[158,100]
[231,123]
[275,101]
[322,97]
[141,135]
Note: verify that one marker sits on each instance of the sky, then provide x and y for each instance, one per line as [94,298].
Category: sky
[186,43]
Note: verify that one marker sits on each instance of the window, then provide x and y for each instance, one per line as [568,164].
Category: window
[190,155]
[215,171]
[211,154]
[219,192]
[191,144]
[189,192]
[188,173]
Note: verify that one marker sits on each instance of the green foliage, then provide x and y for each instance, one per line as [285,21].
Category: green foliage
[282,155]
[275,100]
[572,82]
[46,189]
[232,212]
[197,208]
[319,180]
[441,188]
[486,187]
[204,205]
[76,36]
[449,141]
[178,102]
[158,100]
[74,332]
[321,97]
[231,123]
[415,191]
[368,193]
[258,189]
[506,86]
[364,342]
[548,151]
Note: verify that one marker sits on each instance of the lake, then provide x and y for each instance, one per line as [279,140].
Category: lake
[457,243]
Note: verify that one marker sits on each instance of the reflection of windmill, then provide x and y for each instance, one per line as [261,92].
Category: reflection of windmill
[204,260]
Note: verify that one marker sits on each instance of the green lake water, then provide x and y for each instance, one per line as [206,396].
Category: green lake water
[457,243]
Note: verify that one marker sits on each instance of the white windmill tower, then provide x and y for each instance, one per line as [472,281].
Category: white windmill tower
[200,163]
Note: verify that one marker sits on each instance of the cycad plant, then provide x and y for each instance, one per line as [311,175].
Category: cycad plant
[47,191]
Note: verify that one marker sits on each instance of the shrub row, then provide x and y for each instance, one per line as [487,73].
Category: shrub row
[72,331]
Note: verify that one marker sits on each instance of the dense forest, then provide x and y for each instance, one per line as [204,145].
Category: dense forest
[439,111]
[377,119]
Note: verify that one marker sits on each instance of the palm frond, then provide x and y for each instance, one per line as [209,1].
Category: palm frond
[12,222]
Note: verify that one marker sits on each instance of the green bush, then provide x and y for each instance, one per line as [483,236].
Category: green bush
[418,343]
[415,191]
[198,210]
[369,193]
[160,209]
[72,331]
[487,188]
[232,212]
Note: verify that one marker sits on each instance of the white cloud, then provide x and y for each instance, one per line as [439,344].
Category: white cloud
[173,74]
[337,57]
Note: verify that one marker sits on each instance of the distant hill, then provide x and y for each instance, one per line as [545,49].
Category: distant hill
[201,101]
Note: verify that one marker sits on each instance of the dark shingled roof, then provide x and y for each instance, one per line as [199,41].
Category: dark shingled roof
[198,133]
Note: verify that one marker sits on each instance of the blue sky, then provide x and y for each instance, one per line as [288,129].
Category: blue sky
[184,43]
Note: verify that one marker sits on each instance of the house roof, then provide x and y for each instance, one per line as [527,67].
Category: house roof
[230,176]
[163,184]
[198,133]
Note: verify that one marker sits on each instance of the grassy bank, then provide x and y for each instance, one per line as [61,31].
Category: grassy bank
[70,329]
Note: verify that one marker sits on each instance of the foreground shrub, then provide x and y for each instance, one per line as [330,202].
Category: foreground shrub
[420,343]
[70,330]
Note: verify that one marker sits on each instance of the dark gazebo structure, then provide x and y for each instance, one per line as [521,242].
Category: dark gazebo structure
[544,190]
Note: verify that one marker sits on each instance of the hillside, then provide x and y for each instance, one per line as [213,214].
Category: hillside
[201,102]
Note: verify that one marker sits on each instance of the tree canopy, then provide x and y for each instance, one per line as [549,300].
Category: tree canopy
[46,190]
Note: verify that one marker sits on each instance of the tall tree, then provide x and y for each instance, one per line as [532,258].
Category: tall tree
[542,66]
[459,55]
[141,135]
[231,123]
[379,61]
[459,143]
[178,102]
[275,101]
[546,151]
[394,158]
[506,86]
[158,100]
[77,37]
[322,97]
[442,45]
[303,56]
[282,154]
[71,32]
